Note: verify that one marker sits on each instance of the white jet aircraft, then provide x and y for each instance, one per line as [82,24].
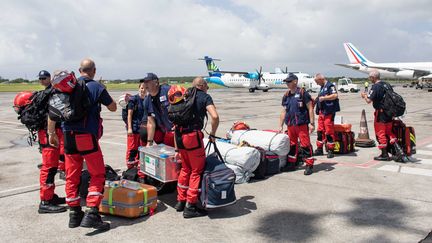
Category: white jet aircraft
[400,70]
[255,80]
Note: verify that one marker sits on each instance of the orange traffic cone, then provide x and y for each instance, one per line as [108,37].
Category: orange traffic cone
[363,139]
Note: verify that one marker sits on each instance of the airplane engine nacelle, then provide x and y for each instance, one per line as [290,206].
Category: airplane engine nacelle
[408,74]
[251,75]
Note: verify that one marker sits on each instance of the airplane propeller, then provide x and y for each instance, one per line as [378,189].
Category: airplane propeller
[260,75]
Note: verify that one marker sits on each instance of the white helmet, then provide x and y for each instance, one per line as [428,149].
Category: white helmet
[123,100]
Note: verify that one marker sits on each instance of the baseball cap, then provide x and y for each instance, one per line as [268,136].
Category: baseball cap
[44,74]
[290,78]
[149,77]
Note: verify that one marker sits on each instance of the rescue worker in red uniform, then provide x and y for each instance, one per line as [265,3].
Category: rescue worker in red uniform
[51,161]
[191,148]
[82,143]
[159,127]
[382,123]
[136,113]
[297,113]
[327,106]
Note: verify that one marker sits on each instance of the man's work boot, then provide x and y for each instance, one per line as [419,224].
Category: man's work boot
[48,207]
[192,211]
[92,219]
[308,170]
[318,152]
[56,200]
[330,154]
[75,216]
[384,156]
[180,206]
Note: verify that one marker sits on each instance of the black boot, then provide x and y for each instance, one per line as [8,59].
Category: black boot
[75,216]
[308,170]
[192,211]
[180,206]
[48,207]
[318,152]
[330,154]
[92,219]
[384,156]
[399,156]
[56,200]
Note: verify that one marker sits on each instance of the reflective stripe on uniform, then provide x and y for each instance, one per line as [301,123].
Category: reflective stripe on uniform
[72,199]
[94,194]
[182,186]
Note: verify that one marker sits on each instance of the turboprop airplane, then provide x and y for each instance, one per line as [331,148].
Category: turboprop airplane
[401,70]
[257,80]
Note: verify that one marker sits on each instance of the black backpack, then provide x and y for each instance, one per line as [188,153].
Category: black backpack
[69,107]
[182,113]
[34,115]
[393,104]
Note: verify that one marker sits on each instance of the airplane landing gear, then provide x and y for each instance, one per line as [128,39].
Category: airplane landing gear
[265,90]
[251,90]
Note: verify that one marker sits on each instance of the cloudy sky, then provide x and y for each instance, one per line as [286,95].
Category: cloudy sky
[128,38]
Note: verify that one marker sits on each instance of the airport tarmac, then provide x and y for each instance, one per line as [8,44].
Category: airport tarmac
[350,198]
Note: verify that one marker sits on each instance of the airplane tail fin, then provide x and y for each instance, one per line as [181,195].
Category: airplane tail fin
[354,55]
[212,68]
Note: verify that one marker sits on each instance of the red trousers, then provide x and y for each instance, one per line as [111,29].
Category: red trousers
[80,147]
[193,162]
[326,127]
[383,132]
[132,154]
[301,133]
[50,164]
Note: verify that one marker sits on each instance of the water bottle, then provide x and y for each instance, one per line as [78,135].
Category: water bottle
[112,184]
[130,184]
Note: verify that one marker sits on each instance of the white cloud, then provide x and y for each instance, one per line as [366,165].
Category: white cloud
[132,37]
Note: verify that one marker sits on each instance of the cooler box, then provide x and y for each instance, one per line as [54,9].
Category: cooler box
[158,162]
[126,202]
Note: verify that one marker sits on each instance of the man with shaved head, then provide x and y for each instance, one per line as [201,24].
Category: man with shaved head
[327,106]
[82,143]
[382,122]
[189,144]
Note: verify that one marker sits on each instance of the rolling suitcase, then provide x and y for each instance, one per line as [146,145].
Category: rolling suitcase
[131,200]
[273,163]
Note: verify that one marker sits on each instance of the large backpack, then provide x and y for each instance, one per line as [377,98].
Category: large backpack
[182,113]
[393,104]
[70,107]
[34,115]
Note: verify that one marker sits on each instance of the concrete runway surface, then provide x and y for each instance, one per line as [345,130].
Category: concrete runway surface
[350,198]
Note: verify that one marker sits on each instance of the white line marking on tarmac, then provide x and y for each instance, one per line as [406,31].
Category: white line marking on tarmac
[416,171]
[429,146]
[391,168]
[424,161]
[108,142]
[24,189]
[424,152]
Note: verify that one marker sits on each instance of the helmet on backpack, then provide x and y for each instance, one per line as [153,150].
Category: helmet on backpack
[176,93]
[240,125]
[22,99]
[64,81]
